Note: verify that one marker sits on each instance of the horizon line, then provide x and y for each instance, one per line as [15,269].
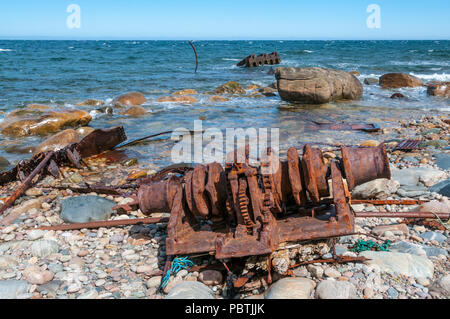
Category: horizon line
[49,38]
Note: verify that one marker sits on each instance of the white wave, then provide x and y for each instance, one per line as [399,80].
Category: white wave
[5,50]
[308,51]
[228,59]
[435,76]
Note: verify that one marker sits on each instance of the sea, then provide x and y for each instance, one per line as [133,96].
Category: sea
[63,73]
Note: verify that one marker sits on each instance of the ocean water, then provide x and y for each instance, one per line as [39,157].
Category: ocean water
[63,73]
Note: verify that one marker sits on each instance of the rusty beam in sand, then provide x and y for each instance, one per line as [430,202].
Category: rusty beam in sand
[108,223]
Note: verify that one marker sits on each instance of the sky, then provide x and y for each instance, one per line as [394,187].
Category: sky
[225,20]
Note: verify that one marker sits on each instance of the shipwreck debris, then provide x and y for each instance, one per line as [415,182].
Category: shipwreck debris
[262,59]
[96,142]
[241,210]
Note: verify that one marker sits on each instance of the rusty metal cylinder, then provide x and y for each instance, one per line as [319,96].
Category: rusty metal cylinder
[158,197]
[362,165]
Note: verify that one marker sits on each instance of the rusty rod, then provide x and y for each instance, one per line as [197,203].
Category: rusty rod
[402,215]
[107,223]
[389,202]
[26,183]
[196,56]
[338,260]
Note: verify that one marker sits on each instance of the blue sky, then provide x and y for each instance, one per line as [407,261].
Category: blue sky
[231,19]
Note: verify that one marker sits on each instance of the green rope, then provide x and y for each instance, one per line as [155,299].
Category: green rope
[446,225]
[362,245]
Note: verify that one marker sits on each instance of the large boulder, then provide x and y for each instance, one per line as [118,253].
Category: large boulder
[399,80]
[316,85]
[58,141]
[84,209]
[129,99]
[438,89]
[36,122]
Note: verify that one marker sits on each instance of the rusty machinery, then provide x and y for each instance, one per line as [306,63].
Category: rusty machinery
[241,210]
[254,61]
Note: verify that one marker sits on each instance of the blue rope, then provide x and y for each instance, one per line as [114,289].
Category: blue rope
[178,264]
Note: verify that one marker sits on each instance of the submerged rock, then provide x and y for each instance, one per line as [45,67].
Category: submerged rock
[58,141]
[371,81]
[42,123]
[438,89]
[332,289]
[83,209]
[185,92]
[91,102]
[217,98]
[399,80]
[400,263]
[291,288]
[190,290]
[134,111]
[231,87]
[177,99]
[129,99]
[4,163]
[316,85]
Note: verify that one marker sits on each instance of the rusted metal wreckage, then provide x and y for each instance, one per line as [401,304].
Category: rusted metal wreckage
[262,59]
[243,210]
[94,143]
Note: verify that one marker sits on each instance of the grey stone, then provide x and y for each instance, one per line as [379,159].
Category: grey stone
[291,288]
[85,209]
[393,294]
[420,250]
[190,290]
[431,235]
[445,284]
[332,289]
[7,262]
[50,287]
[91,294]
[10,289]
[14,245]
[379,189]
[412,176]
[36,234]
[442,188]
[443,161]
[400,263]
[44,247]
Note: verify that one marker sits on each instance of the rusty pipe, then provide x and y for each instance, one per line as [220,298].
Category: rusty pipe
[402,215]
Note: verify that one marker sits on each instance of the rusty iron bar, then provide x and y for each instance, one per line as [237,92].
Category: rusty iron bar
[339,260]
[418,215]
[196,56]
[389,201]
[27,182]
[107,223]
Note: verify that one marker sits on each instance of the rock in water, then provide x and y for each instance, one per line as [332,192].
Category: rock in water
[4,163]
[399,80]
[316,85]
[40,123]
[438,89]
[378,189]
[58,141]
[84,209]
[231,87]
[10,289]
[190,290]
[291,288]
[332,289]
[400,263]
[371,81]
[135,111]
[43,248]
[129,99]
